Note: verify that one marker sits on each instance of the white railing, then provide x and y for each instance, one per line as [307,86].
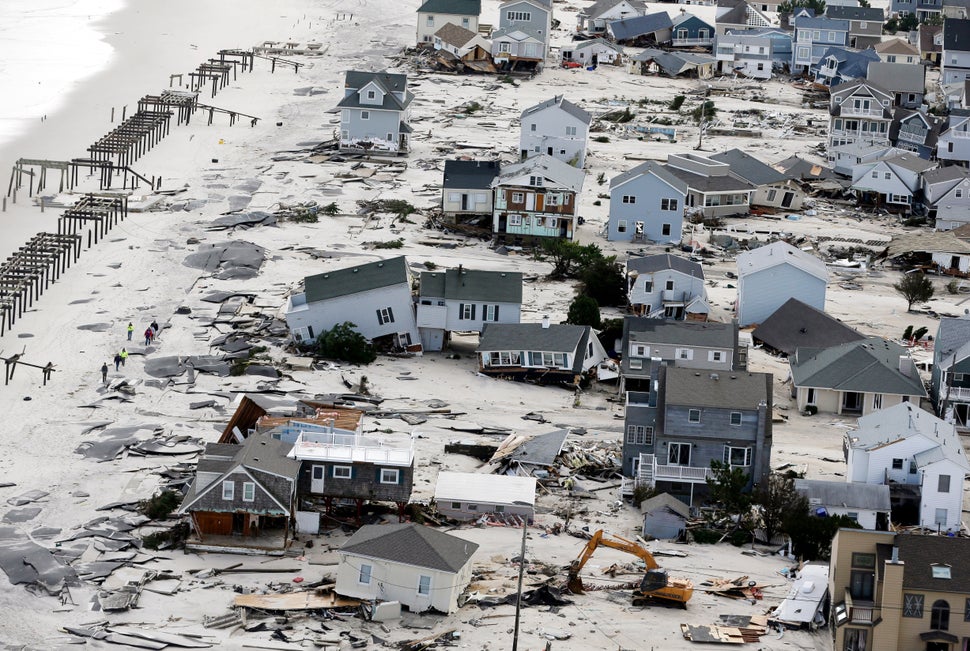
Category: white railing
[913,135]
[851,110]
[681,473]
[955,393]
[960,134]
[314,446]
[687,42]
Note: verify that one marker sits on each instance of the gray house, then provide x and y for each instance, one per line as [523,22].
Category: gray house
[243,497]
[464,300]
[712,191]
[647,204]
[770,275]
[557,128]
[666,286]
[906,81]
[375,297]
[867,504]
[648,342]
[953,145]
[696,417]
[466,192]
[594,18]
[796,325]
[855,378]
[951,371]
[522,37]
[955,62]
[541,352]
[947,191]
[865,24]
[649,29]
[774,189]
[664,517]
[374,112]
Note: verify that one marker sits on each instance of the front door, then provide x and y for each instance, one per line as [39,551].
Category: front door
[787,199]
[317,473]
[678,454]
[464,202]
[851,401]
[955,262]
[238,524]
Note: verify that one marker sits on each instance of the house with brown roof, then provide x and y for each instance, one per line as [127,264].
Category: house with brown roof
[931,43]
[896,50]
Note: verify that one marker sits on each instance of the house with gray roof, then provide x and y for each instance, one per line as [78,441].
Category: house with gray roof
[947,192]
[652,61]
[906,81]
[435,14]
[422,568]
[867,504]
[953,144]
[649,29]
[666,286]
[844,157]
[536,198]
[712,191]
[841,65]
[865,24]
[774,189]
[770,275]
[955,61]
[664,517]
[539,352]
[694,417]
[374,296]
[813,36]
[919,456]
[855,378]
[747,54]
[916,131]
[950,388]
[859,110]
[796,325]
[594,18]
[556,128]
[647,204]
[375,112]
[464,300]
[466,192]
[522,39]
[243,497]
[894,181]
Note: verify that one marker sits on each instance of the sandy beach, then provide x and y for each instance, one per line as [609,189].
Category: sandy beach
[137,274]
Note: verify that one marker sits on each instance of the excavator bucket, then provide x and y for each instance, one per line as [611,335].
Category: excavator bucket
[653,580]
[575,585]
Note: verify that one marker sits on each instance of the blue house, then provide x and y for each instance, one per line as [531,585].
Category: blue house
[951,371]
[840,65]
[923,9]
[813,36]
[646,204]
[690,31]
[770,275]
[652,29]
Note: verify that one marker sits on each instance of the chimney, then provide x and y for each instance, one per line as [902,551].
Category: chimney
[895,558]
[545,322]
[903,365]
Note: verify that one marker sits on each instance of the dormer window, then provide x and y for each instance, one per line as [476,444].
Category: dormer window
[371,94]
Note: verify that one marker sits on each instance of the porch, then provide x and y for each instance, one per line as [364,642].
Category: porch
[269,542]
[648,471]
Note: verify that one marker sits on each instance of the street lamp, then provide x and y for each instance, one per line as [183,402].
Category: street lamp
[518,598]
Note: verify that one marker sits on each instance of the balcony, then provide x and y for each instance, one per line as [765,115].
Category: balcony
[649,472]
[960,134]
[345,448]
[860,612]
[955,394]
[673,298]
[692,42]
[861,111]
[917,136]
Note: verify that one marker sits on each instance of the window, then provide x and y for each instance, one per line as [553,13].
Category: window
[678,454]
[940,615]
[639,435]
[863,576]
[715,355]
[390,475]
[506,47]
[669,285]
[515,220]
[570,131]
[668,204]
[385,315]
[856,638]
[490,312]
[897,464]
[959,193]
[940,518]
[363,577]
[371,94]
[636,364]
[737,456]
[684,353]
[249,491]
[365,115]
[465,23]
[966,611]
[553,199]
[343,472]
[887,175]
[693,415]
[940,571]
[735,418]
[864,561]
[810,398]
[228,490]
[518,197]
[424,585]
[913,605]
[648,285]
[518,15]
[877,401]
[430,22]
[943,484]
[629,198]
[665,229]
[456,505]
[912,467]
[875,175]
[466,311]
[535,181]
[772,193]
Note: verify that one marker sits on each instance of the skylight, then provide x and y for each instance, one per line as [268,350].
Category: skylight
[941,571]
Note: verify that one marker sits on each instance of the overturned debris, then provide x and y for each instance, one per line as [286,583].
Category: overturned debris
[303,600]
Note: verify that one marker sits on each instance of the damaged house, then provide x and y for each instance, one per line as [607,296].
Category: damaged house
[770,275]
[712,190]
[641,31]
[471,495]
[375,297]
[950,386]
[435,14]
[797,325]
[464,300]
[666,286]
[894,181]
[459,49]
[593,19]
[522,38]
[536,198]
[556,128]
[466,192]
[374,113]
[774,189]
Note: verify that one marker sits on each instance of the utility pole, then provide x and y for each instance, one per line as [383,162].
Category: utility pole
[518,598]
[700,131]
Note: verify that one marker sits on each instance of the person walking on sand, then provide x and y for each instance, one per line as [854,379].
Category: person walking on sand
[104,373]
[154,328]
[131,329]
[117,361]
[124,356]
[148,336]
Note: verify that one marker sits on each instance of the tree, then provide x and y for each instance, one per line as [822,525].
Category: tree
[344,343]
[567,258]
[704,112]
[603,280]
[775,499]
[726,488]
[811,535]
[915,288]
[789,6]
[585,311]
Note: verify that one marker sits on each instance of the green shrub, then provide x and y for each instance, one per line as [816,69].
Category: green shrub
[585,311]
[706,536]
[811,410]
[390,244]
[158,507]
[601,139]
[330,209]
[344,343]
[175,537]
[677,102]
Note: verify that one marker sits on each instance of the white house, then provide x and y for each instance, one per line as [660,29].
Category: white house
[954,142]
[375,297]
[470,495]
[909,448]
[435,14]
[666,286]
[955,62]
[374,112]
[594,52]
[594,18]
[561,353]
[461,42]
[422,568]
[893,180]
[557,128]
[748,55]
[867,504]
[947,191]
[770,275]
[464,300]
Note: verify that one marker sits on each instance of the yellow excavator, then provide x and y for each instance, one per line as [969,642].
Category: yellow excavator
[655,586]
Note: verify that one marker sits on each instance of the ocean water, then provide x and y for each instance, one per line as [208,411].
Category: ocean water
[46,48]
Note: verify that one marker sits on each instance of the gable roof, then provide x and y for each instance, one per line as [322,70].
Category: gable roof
[563,104]
[456,35]
[597,42]
[353,280]
[903,421]
[895,46]
[749,168]
[688,387]
[562,175]
[602,6]
[869,365]
[852,495]
[473,285]
[456,7]
[470,174]
[650,167]
[411,544]
[821,22]
[908,161]
[665,501]
[952,341]
[956,34]
[797,325]
[899,77]
[629,28]
[920,553]
[842,12]
[707,334]
[777,253]
[927,37]
[557,338]
[683,17]
[663,261]
[387,82]
[797,167]
[852,64]
[945,175]
[712,183]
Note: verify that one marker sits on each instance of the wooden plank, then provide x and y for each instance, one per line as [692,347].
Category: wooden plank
[295,601]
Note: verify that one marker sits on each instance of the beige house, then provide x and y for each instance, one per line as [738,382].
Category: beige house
[899,592]
[422,568]
[435,14]
[896,50]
